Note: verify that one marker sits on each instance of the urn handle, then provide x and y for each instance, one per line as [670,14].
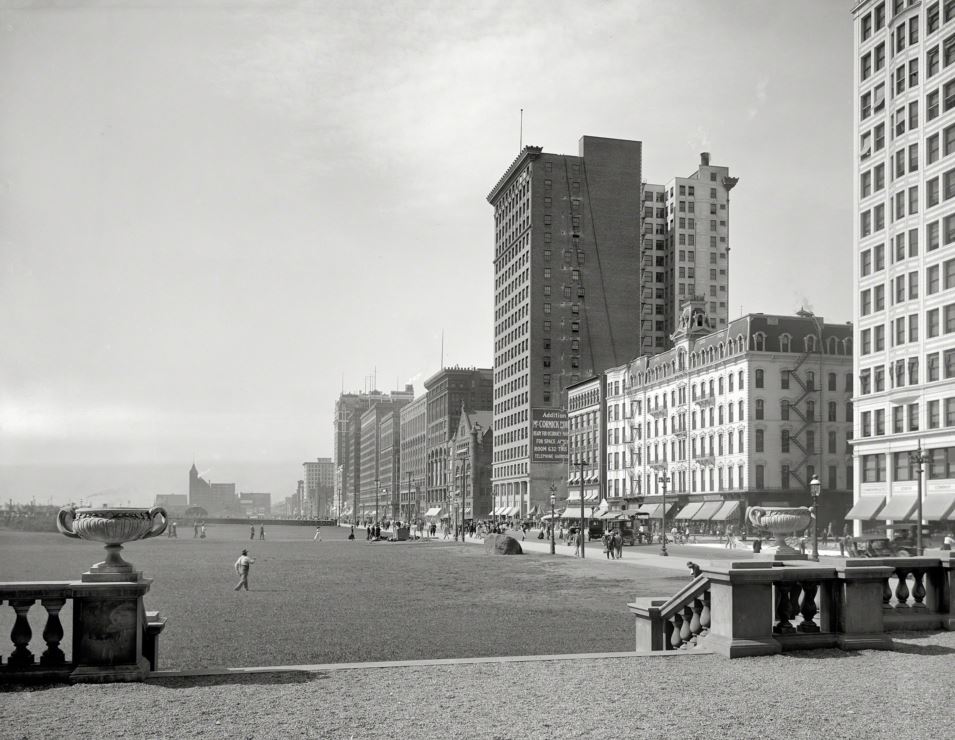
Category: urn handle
[153,513]
[66,527]
[755,515]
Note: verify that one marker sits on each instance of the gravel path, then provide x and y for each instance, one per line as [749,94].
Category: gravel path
[869,694]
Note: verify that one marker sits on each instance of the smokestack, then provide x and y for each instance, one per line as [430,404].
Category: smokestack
[705,159]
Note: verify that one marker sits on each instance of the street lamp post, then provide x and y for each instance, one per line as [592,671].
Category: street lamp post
[664,479]
[553,500]
[814,489]
[376,500]
[583,540]
[919,458]
[409,498]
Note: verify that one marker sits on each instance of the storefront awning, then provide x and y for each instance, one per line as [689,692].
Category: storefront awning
[707,510]
[689,510]
[726,511]
[866,508]
[498,511]
[939,507]
[591,496]
[433,511]
[899,507]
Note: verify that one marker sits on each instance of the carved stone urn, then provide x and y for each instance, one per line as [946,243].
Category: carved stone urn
[112,527]
[780,522]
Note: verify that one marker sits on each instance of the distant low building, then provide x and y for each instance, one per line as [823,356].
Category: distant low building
[173,503]
[255,504]
[217,499]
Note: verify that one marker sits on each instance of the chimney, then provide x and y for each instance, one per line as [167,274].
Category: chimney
[705,159]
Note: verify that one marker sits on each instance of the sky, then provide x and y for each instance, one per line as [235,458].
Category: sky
[213,216]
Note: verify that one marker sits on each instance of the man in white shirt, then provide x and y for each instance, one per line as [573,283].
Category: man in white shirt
[242,566]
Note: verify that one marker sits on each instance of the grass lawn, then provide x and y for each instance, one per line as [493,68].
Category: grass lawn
[340,601]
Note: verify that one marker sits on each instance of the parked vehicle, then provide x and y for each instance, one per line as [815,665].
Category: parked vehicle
[880,545]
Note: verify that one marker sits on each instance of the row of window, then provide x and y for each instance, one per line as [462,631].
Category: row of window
[940,465]
[872,380]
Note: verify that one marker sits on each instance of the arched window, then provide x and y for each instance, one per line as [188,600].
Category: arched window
[740,344]
[759,341]
[729,409]
[784,343]
[832,411]
[832,346]
[760,439]
[759,379]
[722,350]
[809,341]
[712,387]
[810,380]
[741,414]
[810,410]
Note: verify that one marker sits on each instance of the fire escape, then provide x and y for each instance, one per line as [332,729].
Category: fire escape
[807,416]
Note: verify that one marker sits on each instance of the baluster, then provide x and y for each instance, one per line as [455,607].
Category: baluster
[705,613]
[886,595]
[695,625]
[795,589]
[918,590]
[53,633]
[667,633]
[783,625]
[676,639]
[808,608]
[21,634]
[902,588]
[685,632]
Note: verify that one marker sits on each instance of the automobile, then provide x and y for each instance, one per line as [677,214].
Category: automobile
[595,529]
[880,545]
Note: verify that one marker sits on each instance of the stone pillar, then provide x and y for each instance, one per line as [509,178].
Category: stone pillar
[648,629]
[860,605]
[741,610]
[940,596]
[108,624]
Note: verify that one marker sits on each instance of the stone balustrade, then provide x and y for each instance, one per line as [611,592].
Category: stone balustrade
[762,607]
[113,637]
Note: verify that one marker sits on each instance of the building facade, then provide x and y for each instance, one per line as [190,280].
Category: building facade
[255,504]
[319,487]
[347,433]
[448,391]
[374,501]
[587,456]
[414,455]
[389,460]
[470,456]
[748,414]
[903,266]
[217,499]
[567,241]
[697,243]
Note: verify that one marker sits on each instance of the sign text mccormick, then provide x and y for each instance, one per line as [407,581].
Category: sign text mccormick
[548,435]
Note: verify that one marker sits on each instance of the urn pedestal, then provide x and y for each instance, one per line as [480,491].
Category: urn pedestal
[112,527]
[780,522]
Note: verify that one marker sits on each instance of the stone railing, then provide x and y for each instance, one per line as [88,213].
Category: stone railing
[113,638]
[761,607]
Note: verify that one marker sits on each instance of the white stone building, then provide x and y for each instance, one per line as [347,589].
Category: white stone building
[904,260]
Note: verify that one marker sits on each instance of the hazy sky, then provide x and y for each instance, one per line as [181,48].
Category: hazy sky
[212,212]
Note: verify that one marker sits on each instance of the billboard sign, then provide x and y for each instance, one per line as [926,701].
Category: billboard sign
[548,435]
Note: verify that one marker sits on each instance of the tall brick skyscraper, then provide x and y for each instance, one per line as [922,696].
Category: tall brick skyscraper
[566,299]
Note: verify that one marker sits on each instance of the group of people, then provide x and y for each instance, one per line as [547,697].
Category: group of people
[613,545]
[261,532]
[172,530]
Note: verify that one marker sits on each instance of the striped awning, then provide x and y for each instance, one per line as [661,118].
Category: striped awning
[939,507]
[689,510]
[707,510]
[866,508]
[727,510]
[900,507]
[433,511]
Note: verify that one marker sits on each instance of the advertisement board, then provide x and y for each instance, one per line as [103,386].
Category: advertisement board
[548,435]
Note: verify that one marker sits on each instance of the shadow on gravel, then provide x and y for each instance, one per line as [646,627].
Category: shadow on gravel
[825,654]
[237,679]
[915,649]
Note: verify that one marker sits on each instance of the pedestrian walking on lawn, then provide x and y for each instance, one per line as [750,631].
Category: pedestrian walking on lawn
[195,529]
[318,533]
[608,546]
[578,539]
[252,532]
[242,566]
[202,531]
[262,532]
[618,544]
